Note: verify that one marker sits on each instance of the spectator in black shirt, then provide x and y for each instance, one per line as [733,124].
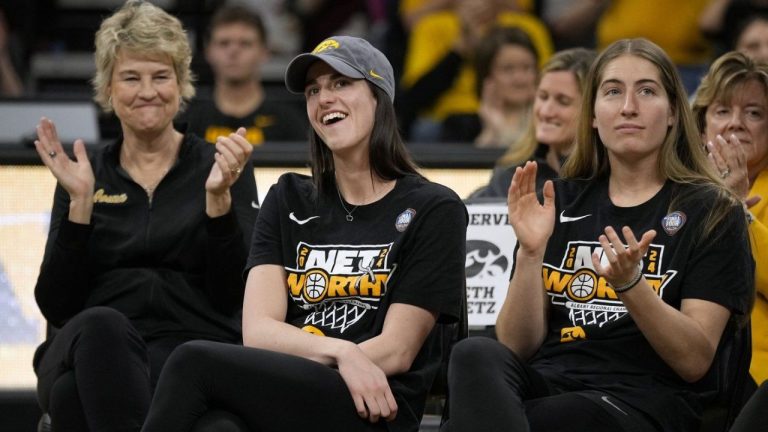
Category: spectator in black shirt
[236,50]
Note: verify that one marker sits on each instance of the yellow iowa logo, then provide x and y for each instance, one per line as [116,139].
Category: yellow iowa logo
[325,45]
[570,334]
[375,75]
[101,197]
[313,330]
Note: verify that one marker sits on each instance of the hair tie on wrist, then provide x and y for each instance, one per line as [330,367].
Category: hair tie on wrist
[632,282]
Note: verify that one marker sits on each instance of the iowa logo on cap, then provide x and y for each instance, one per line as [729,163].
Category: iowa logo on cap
[325,45]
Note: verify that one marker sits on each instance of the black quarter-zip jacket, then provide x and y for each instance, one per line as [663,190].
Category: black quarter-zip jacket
[171,269]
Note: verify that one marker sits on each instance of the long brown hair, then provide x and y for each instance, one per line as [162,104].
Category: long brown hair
[682,159]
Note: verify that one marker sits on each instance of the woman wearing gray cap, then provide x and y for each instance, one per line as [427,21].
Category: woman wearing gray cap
[335,338]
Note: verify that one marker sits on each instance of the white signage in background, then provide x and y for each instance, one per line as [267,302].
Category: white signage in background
[490,253]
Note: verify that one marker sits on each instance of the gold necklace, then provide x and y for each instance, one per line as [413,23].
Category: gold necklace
[148,188]
[151,189]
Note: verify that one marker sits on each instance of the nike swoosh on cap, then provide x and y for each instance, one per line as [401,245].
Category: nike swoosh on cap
[293,217]
[375,75]
[564,218]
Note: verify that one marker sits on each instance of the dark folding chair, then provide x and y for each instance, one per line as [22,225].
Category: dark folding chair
[725,388]
[436,412]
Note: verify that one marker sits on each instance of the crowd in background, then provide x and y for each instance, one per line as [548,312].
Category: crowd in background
[466,69]
[505,74]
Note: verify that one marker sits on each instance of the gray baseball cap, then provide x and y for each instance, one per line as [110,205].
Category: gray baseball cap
[350,56]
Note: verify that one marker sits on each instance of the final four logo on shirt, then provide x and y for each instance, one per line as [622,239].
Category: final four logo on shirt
[673,222]
[404,219]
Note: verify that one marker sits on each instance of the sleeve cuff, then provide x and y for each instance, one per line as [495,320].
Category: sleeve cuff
[74,236]
[224,225]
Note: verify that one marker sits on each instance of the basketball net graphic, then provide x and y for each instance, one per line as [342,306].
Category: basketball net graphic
[338,284]
[595,312]
[589,317]
[338,315]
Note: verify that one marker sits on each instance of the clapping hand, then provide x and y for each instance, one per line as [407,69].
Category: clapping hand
[533,222]
[491,113]
[233,151]
[76,177]
[730,160]
[622,261]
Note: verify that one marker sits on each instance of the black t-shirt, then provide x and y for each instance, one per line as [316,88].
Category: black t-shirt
[342,275]
[273,120]
[592,341]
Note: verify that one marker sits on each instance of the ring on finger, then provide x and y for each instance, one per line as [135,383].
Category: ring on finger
[725,173]
[52,154]
[236,170]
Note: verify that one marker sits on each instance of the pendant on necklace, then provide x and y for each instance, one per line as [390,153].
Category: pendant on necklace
[349,212]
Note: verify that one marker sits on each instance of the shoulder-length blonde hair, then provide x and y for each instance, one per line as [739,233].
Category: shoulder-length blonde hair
[574,60]
[143,28]
[682,158]
[725,78]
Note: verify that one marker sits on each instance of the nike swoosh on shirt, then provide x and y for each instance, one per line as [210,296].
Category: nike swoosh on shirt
[301,221]
[605,399]
[564,218]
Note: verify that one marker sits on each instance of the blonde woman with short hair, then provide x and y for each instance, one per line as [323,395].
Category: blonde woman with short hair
[147,237]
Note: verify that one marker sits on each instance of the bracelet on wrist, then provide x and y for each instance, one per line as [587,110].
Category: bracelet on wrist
[632,282]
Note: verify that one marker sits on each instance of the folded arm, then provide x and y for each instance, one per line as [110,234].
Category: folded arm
[686,339]
[363,367]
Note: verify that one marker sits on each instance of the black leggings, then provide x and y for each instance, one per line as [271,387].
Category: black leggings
[269,391]
[491,389]
[96,373]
